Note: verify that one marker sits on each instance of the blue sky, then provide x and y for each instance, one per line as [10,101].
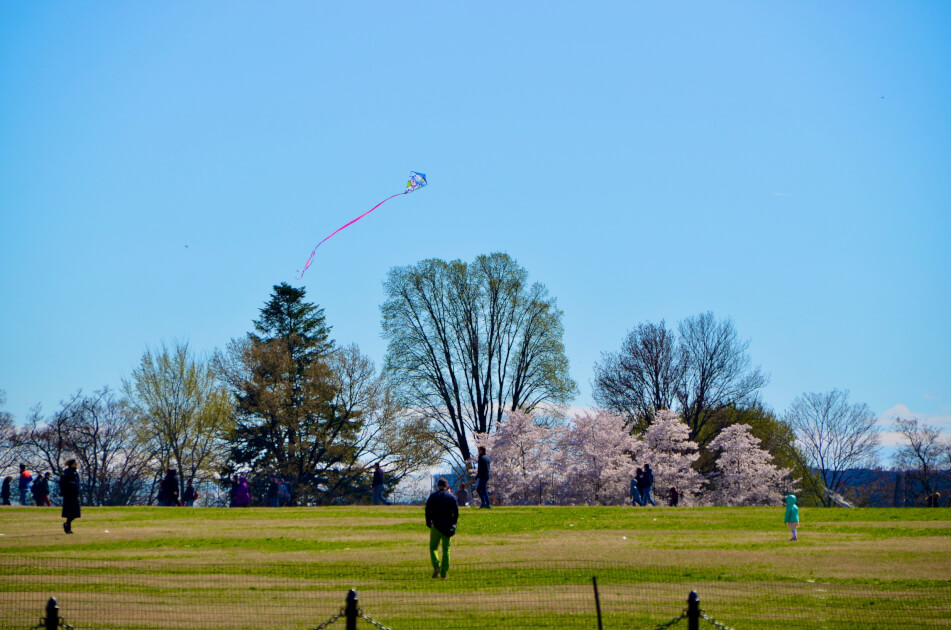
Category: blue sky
[784,164]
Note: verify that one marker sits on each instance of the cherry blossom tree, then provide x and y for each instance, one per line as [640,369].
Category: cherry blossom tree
[667,447]
[595,460]
[522,452]
[744,473]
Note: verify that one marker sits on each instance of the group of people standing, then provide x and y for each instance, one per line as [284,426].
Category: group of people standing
[278,492]
[39,487]
[169,495]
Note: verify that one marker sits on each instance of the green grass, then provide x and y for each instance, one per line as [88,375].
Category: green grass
[519,567]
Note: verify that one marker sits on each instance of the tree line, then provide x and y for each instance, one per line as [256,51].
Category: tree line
[470,348]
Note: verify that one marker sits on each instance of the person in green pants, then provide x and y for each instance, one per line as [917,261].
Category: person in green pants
[442,513]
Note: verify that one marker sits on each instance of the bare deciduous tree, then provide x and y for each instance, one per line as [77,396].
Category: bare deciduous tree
[643,378]
[400,441]
[466,342]
[719,371]
[834,437]
[921,453]
[8,446]
[50,440]
[705,369]
[101,434]
[106,440]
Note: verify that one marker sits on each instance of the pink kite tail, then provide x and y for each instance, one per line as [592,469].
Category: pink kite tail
[313,253]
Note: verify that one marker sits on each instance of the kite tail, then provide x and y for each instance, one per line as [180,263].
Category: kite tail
[314,253]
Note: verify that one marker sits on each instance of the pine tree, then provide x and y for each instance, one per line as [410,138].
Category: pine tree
[287,421]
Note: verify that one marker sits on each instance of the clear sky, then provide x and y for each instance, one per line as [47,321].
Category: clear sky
[784,164]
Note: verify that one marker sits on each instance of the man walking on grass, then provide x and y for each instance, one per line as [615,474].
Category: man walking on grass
[379,485]
[482,478]
[442,513]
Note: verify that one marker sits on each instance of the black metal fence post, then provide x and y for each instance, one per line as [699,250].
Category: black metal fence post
[597,601]
[350,612]
[693,611]
[52,615]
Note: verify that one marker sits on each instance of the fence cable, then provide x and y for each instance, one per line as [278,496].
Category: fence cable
[713,621]
[331,620]
[370,621]
[673,621]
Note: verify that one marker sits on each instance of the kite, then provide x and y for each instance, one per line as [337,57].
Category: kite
[416,181]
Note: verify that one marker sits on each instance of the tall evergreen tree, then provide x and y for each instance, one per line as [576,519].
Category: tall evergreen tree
[299,325]
[288,421]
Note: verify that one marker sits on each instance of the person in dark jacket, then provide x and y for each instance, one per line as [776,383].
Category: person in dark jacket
[637,487]
[673,496]
[635,491]
[191,495]
[5,492]
[442,513]
[647,495]
[462,495]
[272,487]
[41,490]
[482,478]
[379,484]
[168,492]
[69,489]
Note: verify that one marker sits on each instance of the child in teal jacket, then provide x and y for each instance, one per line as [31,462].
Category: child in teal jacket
[792,515]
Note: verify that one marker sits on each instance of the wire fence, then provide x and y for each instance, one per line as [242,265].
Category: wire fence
[169,592]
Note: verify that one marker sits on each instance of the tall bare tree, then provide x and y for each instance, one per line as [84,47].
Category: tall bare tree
[466,342]
[700,372]
[50,440]
[100,432]
[643,377]
[8,445]
[834,437]
[391,435]
[719,372]
[921,453]
[183,410]
[106,440]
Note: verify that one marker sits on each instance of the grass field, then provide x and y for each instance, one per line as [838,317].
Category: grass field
[511,567]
